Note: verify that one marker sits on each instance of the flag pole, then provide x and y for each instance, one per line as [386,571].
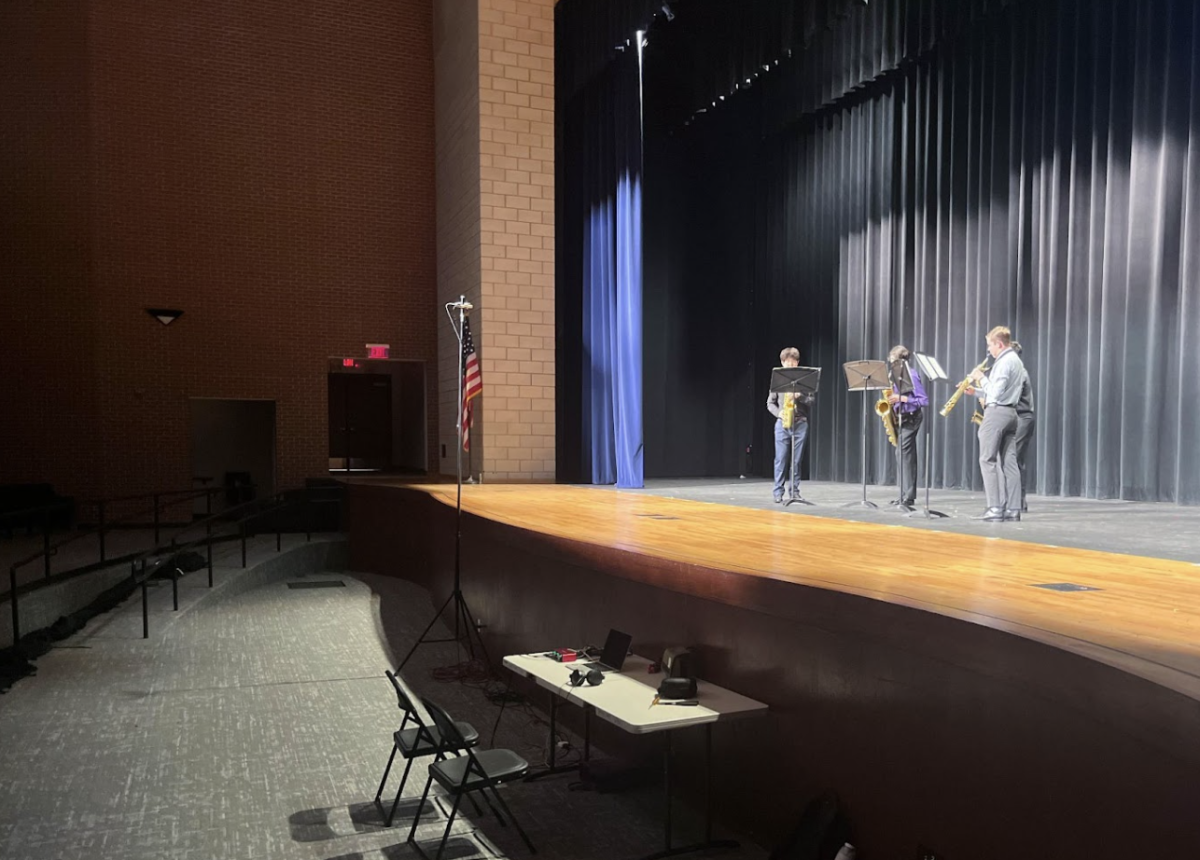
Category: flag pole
[462,613]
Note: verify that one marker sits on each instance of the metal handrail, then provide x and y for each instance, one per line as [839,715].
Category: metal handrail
[106,526]
[278,503]
[40,509]
[137,496]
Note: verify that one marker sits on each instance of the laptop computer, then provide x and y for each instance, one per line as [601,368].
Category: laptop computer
[612,658]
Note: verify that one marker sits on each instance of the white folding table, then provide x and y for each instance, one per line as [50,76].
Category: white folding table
[625,699]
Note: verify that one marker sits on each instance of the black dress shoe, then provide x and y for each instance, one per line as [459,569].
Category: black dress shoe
[1012,516]
[993,515]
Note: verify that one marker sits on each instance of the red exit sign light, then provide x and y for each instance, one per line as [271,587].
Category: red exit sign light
[378,350]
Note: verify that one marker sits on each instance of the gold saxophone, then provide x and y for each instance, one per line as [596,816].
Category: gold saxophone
[883,408]
[788,414]
[962,387]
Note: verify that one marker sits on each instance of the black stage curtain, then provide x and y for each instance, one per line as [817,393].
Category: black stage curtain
[588,35]
[1034,166]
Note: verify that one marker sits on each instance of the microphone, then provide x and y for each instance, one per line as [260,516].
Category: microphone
[461,303]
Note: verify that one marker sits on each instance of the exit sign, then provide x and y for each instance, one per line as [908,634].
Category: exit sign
[378,350]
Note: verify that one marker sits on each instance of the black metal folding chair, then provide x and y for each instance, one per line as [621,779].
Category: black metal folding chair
[474,771]
[418,740]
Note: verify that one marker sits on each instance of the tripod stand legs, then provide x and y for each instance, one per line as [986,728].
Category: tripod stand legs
[863,502]
[926,512]
[462,616]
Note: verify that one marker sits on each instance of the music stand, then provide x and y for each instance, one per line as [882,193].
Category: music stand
[930,371]
[865,375]
[796,380]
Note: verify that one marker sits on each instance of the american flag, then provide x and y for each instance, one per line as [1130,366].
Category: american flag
[472,382]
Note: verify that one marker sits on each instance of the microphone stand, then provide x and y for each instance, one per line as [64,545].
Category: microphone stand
[462,613]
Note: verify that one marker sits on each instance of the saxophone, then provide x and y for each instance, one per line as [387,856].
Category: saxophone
[883,408]
[788,414]
[962,387]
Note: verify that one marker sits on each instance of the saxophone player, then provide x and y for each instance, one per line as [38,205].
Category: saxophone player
[908,406]
[791,429]
[1000,389]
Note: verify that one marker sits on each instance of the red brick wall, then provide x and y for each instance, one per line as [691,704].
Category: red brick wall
[266,167]
[47,331]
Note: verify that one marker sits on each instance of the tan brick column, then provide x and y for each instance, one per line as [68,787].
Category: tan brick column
[516,105]
[503,257]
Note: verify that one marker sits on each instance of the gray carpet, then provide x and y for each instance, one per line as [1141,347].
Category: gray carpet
[256,724]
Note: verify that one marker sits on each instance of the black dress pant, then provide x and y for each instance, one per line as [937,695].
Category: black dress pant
[909,426]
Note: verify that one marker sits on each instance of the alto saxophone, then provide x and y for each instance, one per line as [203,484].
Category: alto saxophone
[962,387]
[788,414]
[883,408]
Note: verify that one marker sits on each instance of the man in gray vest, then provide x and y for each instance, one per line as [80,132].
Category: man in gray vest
[1001,388]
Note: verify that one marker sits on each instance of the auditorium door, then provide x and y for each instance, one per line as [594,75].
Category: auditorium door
[360,420]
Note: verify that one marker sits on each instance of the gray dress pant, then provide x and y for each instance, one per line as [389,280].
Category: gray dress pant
[998,458]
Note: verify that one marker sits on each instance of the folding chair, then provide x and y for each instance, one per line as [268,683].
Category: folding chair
[421,739]
[474,771]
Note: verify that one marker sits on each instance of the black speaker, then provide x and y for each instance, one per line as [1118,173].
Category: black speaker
[592,677]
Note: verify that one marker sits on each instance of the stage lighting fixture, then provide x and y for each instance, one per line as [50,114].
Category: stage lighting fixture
[666,9]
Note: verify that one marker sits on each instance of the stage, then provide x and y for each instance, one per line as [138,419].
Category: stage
[929,656]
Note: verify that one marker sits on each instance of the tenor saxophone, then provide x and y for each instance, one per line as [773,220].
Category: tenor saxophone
[883,408]
[962,387]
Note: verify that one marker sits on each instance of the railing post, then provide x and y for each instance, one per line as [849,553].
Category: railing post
[242,529]
[16,617]
[156,519]
[145,605]
[175,591]
[102,531]
[208,529]
[46,541]
[208,502]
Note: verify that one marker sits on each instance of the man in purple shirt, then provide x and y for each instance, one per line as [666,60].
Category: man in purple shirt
[909,407]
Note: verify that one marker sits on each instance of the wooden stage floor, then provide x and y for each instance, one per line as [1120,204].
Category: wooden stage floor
[1137,613]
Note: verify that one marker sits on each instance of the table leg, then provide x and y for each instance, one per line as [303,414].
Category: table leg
[708,842]
[554,767]
[587,732]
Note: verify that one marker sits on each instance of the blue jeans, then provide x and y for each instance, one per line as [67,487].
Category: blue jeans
[789,441]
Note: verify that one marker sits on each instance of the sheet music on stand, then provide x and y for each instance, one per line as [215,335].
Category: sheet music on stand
[866,375]
[797,380]
[929,368]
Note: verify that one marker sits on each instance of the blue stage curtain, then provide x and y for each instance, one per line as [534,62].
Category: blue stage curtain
[606,123]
